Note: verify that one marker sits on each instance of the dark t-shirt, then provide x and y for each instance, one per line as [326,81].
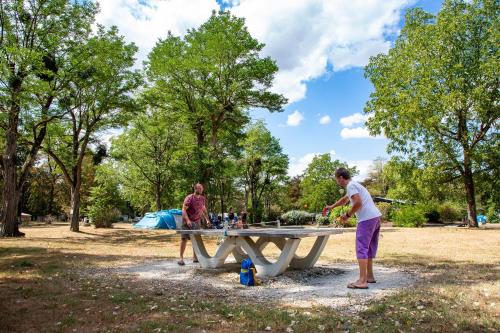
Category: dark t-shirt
[194,207]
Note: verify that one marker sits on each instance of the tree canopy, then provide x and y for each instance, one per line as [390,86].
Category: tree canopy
[436,91]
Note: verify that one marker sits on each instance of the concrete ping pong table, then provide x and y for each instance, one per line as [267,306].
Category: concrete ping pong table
[241,245]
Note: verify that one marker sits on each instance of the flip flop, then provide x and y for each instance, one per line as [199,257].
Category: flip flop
[353,286]
[372,281]
[195,261]
[181,263]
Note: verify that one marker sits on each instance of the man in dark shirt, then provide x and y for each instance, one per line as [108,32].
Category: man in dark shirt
[193,210]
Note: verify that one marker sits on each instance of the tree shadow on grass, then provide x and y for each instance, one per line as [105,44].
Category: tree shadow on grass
[39,281]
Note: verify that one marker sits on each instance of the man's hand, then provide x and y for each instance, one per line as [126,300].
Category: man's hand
[344,218]
[209,225]
[189,223]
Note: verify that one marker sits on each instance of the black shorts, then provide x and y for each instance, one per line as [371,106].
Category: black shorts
[194,226]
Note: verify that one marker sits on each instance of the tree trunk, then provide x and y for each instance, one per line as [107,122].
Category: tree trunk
[158,196]
[246,198]
[255,204]
[469,191]
[10,193]
[75,207]
[222,208]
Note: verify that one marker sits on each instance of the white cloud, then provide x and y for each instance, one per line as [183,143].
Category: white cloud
[143,22]
[353,119]
[294,119]
[304,37]
[298,166]
[358,133]
[363,166]
[325,120]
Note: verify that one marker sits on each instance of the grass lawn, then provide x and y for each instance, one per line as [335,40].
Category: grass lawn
[47,285]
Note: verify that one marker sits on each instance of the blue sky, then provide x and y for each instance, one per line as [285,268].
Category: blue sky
[337,95]
[320,46]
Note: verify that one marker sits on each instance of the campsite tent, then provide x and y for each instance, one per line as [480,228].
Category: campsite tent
[164,219]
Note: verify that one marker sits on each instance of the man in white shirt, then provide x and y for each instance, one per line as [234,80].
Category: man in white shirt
[368,227]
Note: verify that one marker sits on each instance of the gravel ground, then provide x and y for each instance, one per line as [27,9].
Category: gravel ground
[324,284]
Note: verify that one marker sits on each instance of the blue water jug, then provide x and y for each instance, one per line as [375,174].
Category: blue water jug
[247,277]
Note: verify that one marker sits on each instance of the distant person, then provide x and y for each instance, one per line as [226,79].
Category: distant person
[193,210]
[243,219]
[368,227]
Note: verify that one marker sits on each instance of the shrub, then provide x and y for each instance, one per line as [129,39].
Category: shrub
[322,220]
[409,216]
[385,208]
[102,211]
[104,218]
[298,217]
[335,215]
[430,212]
[450,212]
[492,216]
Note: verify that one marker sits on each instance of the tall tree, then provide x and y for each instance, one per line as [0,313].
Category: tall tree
[215,74]
[36,40]
[99,99]
[318,183]
[263,163]
[149,172]
[437,90]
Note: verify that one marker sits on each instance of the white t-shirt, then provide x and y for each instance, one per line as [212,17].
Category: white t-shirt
[368,209]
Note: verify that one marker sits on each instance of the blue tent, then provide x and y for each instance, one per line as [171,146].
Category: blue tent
[159,220]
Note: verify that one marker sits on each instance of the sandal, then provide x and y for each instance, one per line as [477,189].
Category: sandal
[353,286]
[371,281]
[195,261]
[181,263]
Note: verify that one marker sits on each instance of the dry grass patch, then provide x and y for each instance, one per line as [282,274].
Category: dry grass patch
[42,288]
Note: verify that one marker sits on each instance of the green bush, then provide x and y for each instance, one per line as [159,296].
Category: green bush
[409,217]
[102,211]
[450,212]
[104,218]
[335,215]
[298,217]
[322,220]
[492,213]
[385,208]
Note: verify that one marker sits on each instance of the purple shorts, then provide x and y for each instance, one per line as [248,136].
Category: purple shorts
[367,234]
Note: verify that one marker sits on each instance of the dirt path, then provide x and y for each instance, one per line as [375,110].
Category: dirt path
[323,285]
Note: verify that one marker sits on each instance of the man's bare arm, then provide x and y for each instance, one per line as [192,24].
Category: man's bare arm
[356,205]
[205,213]
[341,202]
[185,215]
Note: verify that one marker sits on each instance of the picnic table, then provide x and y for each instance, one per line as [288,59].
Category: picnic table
[240,244]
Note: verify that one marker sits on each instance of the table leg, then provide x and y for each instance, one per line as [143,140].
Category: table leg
[264,266]
[207,261]
[239,254]
[297,262]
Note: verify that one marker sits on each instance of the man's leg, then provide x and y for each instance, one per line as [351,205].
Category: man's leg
[363,271]
[363,237]
[369,271]
[372,252]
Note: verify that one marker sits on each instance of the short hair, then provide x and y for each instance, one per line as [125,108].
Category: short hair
[343,172]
